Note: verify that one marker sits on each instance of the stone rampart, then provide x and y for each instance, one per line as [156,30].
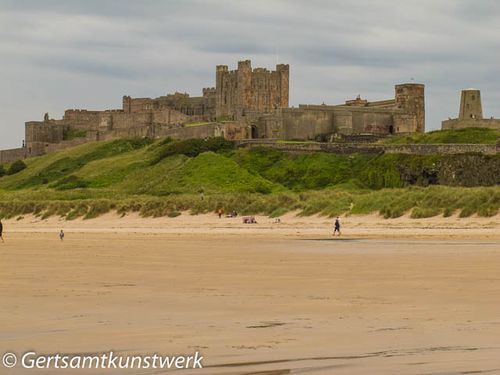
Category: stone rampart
[373,148]
[7,156]
[454,124]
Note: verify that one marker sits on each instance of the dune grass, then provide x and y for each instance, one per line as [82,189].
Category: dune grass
[419,202]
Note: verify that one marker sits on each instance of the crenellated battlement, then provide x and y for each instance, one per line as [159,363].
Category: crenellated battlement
[208,91]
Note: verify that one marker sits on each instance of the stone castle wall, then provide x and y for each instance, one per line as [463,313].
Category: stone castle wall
[7,156]
[43,131]
[201,106]
[403,114]
[41,136]
[81,115]
[53,147]
[227,130]
[454,124]
[353,148]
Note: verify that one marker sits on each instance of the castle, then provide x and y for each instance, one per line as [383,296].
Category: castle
[245,103]
[471,113]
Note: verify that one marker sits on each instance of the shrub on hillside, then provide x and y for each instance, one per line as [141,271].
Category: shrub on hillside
[16,167]
[70,133]
[2,171]
[69,182]
[193,147]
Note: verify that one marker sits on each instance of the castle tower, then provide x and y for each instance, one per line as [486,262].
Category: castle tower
[221,91]
[126,104]
[411,98]
[244,87]
[245,90]
[284,80]
[470,105]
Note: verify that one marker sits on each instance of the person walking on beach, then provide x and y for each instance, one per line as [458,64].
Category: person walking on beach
[337,226]
[61,235]
[221,211]
[1,231]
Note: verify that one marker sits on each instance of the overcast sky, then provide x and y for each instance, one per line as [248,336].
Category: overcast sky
[56,55]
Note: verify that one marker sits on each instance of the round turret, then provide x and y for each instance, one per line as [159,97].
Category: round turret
[410,97]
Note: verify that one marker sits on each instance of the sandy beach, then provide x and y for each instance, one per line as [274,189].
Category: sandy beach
[398,296]
[290,225]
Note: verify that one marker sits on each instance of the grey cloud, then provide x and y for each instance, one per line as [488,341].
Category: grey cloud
[57,54]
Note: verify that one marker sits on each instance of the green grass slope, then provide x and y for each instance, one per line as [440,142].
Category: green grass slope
[469,135]
[166,177]
[207,172]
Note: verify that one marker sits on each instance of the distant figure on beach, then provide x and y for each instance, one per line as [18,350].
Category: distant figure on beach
[249,220]
[232,214]
[221,211]
[61,235]
[337,226]
[1,231]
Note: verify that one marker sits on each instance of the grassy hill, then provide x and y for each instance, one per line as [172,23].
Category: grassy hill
[166,177]
[469,135]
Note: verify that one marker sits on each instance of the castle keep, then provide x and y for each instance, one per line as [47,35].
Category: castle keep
[245,103]
[242,91]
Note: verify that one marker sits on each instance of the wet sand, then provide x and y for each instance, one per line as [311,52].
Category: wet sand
[254,301]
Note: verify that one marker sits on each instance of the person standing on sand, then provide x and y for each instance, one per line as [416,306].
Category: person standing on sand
[337,226]
[221,211]
[1,231]
[61,235]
